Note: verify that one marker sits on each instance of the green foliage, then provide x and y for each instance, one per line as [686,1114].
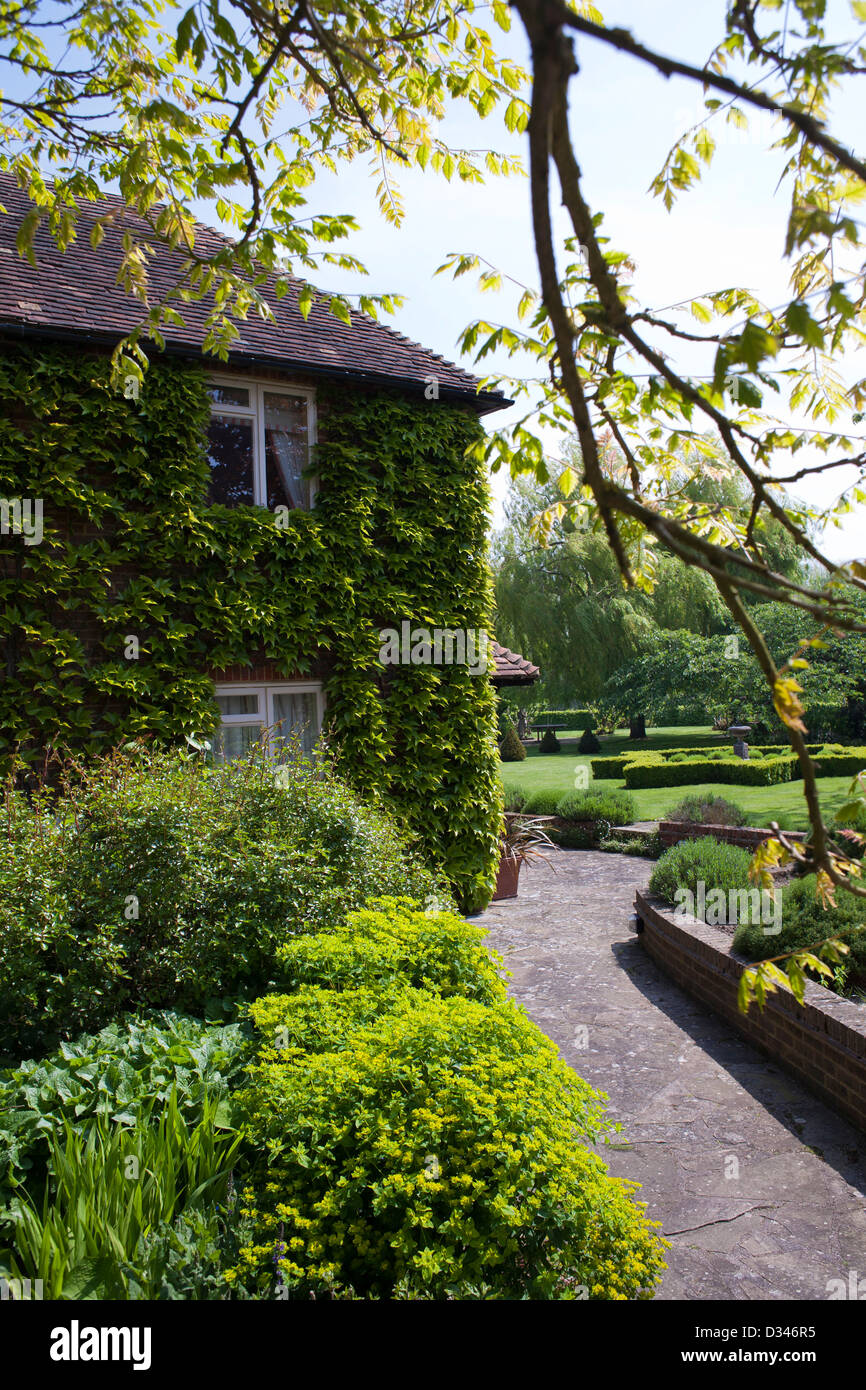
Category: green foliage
[549,742]
[134,548]
[707,810]
[392,942]
[107,1190]
[160,881]
[511,750]
[652,769]
[127,1069]
[614,806]
[516,798]
[588,742]
[542,803]
[568,718]
[436,1151]
[706,861]
[806,922]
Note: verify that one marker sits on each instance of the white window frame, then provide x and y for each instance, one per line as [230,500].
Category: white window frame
[266,691]
[255,411]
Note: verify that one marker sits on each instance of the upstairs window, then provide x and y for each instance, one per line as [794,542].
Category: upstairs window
[259,444]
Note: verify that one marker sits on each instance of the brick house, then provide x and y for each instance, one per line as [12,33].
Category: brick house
[350,434]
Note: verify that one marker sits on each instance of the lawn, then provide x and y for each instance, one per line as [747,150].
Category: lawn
[782,803]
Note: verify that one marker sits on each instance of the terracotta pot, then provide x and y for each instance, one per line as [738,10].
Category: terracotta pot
[506,879]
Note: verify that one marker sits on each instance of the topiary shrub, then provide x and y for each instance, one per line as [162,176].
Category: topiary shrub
[705,861]
[158,881]
[549,742]
[436,1150]
[805,922]
[588,742]
[392,942]
[707,810]
[511,750]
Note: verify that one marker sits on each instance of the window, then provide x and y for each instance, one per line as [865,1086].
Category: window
[283,711]
[259,444]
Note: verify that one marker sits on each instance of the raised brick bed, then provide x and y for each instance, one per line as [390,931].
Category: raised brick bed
[822,1042]
[746,836]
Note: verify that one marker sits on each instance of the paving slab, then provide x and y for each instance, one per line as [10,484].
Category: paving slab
[760,1188]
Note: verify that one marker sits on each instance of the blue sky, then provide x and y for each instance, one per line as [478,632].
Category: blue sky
[624,118]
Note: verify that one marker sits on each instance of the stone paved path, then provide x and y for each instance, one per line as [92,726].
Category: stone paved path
[695,1102]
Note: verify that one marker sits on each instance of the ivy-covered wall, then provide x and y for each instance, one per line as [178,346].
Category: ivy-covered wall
[131,549]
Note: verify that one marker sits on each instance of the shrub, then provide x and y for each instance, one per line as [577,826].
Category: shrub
[390,943]
[704,861]
[707,810]
[516,798]
[805,922]
[543,803]
[511,750]
[588,743]
[440,1156]
[159,881]
[549,743]
[614,806]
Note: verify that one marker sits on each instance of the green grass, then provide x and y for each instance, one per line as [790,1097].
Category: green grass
[783,803]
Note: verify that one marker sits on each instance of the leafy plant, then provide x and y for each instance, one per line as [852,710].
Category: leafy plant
[549,743]
[614,806]
[158,880]
[128,1069]
[588,742]
[109,1188]
[435,1152]
[392,941]
[706,861]
[806,923]
[707,810]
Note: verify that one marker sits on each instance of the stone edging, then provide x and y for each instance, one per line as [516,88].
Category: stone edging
[822,1042]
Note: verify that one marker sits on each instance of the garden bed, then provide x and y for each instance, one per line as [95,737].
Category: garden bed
[822,1042]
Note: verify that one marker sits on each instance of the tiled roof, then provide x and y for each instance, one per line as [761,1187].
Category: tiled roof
[512,668]
[75,294]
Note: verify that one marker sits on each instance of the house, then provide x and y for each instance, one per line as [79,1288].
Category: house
[219,552]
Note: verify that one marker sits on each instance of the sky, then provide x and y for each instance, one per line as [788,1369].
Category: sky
[624,118]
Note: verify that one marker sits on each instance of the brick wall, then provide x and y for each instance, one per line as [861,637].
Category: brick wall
[822,1042]
[746,836]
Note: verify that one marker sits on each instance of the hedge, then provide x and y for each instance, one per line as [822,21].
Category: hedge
[569,718]
[767,765]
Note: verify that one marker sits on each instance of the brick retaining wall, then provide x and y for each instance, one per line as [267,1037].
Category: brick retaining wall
[746,836]
[822,1042]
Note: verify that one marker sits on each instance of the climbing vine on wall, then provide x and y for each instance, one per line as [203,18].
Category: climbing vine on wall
[132,550]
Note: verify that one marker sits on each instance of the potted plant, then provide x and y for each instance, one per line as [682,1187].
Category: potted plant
[523,840]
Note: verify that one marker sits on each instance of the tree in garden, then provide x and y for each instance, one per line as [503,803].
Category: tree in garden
[609,364]
[240,103]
